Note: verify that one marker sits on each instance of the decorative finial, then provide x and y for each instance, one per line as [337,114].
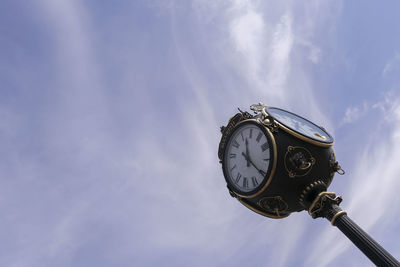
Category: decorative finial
[257,107]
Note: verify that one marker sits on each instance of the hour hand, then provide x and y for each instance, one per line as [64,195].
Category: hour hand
[248,159]
[245,156]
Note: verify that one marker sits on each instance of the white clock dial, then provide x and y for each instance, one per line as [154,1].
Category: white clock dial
[247,158]
[300,125]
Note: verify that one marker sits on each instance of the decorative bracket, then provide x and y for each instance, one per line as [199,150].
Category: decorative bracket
[326,204]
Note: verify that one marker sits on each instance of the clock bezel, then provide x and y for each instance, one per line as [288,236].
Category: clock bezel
[298,134]
[271,168]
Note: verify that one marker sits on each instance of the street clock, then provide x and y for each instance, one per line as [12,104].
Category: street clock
[276,162]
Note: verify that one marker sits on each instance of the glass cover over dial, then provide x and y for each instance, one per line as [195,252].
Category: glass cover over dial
[247,158]
[300,125]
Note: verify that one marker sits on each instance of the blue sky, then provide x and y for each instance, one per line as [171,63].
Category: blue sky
[110,116]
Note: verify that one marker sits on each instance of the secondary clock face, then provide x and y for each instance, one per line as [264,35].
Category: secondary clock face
[300,125]
[248,158]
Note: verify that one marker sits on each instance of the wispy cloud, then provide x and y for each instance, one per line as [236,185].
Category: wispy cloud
[353,114]
[391,64]
[51,173]
[129,174]
[255,53]
[264,49]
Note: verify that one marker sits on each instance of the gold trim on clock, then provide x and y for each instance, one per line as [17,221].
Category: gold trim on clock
[298,135]
[302,137]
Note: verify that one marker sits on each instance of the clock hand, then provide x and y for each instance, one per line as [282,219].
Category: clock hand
[247,153]
[248,159]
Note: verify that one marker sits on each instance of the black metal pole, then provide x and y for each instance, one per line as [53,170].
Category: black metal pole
[377,254]
[326,204]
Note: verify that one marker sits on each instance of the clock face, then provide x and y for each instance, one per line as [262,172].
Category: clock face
[300,125]
[248,158]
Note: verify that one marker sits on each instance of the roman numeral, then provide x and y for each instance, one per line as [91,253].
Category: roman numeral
[238,176]
[235,144]
[232,155]
[264,146]
[259,137]
[251,133]
[254,181]
[242,136]
[245,182]
[265,159]
[234,166]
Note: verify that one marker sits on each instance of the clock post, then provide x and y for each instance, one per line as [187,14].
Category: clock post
[276,162]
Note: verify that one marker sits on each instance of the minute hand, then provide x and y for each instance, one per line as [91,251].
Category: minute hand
[247,153]
[252,163]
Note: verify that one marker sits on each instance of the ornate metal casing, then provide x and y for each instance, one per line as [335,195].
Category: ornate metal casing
[303,167]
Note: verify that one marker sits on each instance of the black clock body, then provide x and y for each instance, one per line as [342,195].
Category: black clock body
[299,169]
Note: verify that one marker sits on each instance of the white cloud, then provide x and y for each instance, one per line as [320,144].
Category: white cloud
[264,50]
[391,64]
[247,32]
[315,54]
[280,55]
[353,114]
